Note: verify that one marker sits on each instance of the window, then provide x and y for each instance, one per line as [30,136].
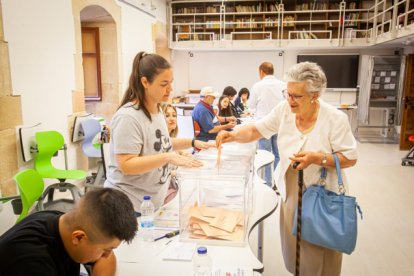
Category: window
[91,64]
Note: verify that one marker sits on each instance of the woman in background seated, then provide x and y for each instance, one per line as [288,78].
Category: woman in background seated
[224,108]
[170,113]
[230,92]
[241,102]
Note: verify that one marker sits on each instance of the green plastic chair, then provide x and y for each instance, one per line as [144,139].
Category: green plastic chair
[31,186]
[48,144]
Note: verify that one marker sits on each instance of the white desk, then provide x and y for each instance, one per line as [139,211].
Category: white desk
[143,258]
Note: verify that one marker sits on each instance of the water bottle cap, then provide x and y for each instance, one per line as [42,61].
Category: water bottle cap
[202,250]
[147,197]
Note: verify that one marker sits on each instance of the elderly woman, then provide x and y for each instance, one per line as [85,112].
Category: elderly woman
[309,131]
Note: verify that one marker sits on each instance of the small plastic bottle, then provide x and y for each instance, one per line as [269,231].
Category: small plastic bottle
[147,219]
[202,263]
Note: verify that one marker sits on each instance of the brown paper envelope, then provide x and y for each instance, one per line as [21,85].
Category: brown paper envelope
[212,231]
[237,235]
[226,220]
[194,236]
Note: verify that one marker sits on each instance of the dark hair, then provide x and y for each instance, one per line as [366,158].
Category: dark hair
[244,90]
[220,99]
[144,65]
[229,91]
[110,212]
[267,68]
[227,112]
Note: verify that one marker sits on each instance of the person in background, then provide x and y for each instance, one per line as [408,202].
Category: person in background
[170,113]
[264,96]
[206,119]
[224,108]
[309,131]
[230,92]
[241,102]
[54,243]
[141,150]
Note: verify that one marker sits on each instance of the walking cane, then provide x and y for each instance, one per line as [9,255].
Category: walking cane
[299,216]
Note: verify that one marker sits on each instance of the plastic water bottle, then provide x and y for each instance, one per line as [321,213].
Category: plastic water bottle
[202,263]
[147,219]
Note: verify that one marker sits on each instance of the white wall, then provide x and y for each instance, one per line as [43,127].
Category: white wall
[41,47]
[196,69]
[136,36]
[238,68]
[41,37]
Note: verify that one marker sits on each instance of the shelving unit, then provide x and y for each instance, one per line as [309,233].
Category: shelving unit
[212,20]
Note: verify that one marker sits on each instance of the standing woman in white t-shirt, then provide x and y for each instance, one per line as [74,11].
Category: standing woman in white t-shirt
[140,147]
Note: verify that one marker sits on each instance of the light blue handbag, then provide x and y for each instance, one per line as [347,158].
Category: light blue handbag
[329,219]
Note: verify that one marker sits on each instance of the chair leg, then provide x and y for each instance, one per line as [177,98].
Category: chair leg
[61,186]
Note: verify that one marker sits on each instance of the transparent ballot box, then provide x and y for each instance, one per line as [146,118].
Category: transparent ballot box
[236,159]
[213,208]
[215,201]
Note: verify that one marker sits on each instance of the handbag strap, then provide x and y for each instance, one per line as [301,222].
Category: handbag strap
[340,181]
[338,173]
[324,172]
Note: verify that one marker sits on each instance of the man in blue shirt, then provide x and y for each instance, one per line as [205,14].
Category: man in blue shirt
[205,117]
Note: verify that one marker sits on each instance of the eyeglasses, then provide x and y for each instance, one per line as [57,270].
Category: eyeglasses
[292,96]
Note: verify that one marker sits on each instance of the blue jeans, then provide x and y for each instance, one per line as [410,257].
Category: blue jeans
[270,145]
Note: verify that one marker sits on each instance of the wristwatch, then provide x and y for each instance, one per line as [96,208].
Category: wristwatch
[324,159]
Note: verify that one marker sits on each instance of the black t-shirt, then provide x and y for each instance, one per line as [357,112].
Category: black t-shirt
[34,247]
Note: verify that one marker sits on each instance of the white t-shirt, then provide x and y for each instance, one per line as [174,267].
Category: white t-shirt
[133,133]
[266,95]
[331,133]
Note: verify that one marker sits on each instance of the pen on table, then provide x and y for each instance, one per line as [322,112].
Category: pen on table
[168,235]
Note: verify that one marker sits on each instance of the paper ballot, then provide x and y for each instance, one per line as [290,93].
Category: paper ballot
[179,251]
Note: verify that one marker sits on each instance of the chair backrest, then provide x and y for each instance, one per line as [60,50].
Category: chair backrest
[31,186]
[48,144]
[105,157]
[197,128]
[91,128]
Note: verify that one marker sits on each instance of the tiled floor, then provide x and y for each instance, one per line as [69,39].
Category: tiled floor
[385,191]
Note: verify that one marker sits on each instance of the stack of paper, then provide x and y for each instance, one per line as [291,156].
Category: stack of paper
[215,223]
[167,218]
[179,251]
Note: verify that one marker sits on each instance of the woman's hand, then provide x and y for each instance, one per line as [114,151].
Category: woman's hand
[231,124]
[224,137]
[305,158]
[231,119]
[184,161]
[203,145]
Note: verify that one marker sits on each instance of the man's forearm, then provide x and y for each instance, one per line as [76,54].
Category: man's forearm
[218,128]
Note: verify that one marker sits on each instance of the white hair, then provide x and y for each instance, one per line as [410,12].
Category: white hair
[308,72]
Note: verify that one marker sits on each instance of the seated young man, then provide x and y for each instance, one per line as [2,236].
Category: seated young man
[207,119]
[53,243]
